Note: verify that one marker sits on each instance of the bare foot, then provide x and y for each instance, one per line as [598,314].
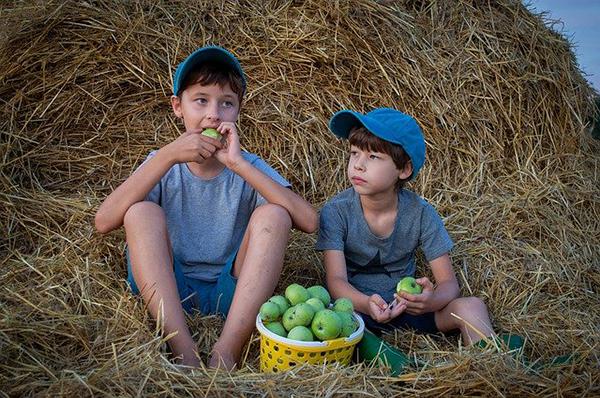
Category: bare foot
[189,360]
[222,360]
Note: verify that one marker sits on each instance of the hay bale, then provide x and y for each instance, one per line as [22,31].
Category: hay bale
[84,96]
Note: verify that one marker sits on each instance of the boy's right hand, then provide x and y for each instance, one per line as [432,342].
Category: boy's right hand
[382,312]
[192,146]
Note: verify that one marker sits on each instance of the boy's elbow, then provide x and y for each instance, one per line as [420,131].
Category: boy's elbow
[101,223]
[312,222]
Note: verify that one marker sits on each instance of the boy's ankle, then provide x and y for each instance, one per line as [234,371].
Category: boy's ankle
[222,358]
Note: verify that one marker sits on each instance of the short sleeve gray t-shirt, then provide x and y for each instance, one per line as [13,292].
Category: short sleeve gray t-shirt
[207,219]
[375,264]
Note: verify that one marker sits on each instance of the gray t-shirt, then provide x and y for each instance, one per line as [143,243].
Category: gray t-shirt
[207,219]
[375,264]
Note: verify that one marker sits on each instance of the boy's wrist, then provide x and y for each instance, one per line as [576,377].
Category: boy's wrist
[240,166]
[164,155]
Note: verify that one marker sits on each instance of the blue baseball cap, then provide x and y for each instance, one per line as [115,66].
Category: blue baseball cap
[203,54]
[389,125]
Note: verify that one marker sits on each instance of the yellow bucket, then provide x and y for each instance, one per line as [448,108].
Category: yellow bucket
[279,353]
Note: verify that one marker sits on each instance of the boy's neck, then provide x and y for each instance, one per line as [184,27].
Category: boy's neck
[208,169]
[380,203]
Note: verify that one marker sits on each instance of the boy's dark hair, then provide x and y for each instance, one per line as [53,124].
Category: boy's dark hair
[365,140]
[209,73]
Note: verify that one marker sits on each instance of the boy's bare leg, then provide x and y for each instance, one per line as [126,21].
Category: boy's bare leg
[473,312]
[257,266]
[152,268]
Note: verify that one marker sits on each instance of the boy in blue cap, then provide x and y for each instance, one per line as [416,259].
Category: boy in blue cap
[369,233]
[206,223]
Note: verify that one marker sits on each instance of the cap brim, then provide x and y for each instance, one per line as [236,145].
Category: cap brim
[343,121]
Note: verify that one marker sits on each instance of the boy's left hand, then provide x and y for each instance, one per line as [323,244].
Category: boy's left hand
[417,304]
[230,155]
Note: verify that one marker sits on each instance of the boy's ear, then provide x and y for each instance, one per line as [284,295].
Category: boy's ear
[176,104]
[406,171]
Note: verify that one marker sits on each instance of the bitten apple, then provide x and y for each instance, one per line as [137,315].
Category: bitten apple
[212,133]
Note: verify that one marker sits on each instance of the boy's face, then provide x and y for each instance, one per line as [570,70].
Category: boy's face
[373,172]
[203,107]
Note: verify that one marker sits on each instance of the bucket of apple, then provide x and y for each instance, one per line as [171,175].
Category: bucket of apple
[303,326]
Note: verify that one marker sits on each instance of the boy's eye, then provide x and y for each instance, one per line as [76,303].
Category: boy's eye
[374,156]
[201,100]
[228,104]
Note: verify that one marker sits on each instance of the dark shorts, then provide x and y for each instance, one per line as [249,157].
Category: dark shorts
[206,297]
[423,324]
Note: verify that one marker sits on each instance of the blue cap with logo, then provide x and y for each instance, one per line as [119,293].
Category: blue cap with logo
[203,54]
[388,124]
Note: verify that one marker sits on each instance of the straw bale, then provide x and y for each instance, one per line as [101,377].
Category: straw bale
[511,165]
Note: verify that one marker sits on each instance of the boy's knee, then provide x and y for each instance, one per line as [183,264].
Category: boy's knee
[142,211]
[272,217]
[470,304]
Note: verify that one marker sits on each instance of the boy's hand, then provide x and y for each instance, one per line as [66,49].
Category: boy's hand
[417,304]
[192,146]
[230,153]
[378,309]
[397,307]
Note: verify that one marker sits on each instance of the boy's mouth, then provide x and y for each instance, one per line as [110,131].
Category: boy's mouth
[357,180]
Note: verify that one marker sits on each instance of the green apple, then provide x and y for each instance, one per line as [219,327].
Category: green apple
[300,333]
[349,323]
[315,303]
[277,328]
[269,312]
[298,315]
[318,291]
[326,325]
[409,285]
[281,302]
[343,304]
[212,133]
[296,294]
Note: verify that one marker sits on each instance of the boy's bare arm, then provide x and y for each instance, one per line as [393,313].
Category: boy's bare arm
[303,215]
[190,146]
[337,281]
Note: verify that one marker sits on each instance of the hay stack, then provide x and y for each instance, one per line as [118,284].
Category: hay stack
[84,96]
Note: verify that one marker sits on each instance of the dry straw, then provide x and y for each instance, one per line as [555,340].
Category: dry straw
[84,96]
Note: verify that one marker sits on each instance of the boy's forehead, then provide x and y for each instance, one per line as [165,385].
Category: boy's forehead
[221,88]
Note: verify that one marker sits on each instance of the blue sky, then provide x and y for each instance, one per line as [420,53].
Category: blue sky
[581,19]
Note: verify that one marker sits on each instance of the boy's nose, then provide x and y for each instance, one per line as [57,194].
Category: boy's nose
[213,113]
[359,164]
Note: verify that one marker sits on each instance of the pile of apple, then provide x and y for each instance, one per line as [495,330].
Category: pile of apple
[306,314]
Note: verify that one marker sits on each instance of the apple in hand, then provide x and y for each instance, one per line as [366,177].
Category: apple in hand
[409,285]
[296,294]
[326,325]
[277,328]
[281,302]
[300,333]
[343,304]
[269,312]
[318,291]
[298,315]
[212,133]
